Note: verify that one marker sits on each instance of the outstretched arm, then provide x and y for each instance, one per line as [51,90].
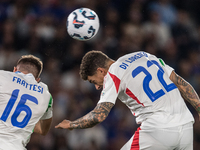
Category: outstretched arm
[187,91]
[97,115]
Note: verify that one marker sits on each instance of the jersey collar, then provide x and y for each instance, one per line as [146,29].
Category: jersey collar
[29,74]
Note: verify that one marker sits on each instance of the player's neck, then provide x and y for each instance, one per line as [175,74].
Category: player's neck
[24,72]
[110,62]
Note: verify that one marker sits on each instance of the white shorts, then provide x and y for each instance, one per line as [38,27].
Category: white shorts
[174,138]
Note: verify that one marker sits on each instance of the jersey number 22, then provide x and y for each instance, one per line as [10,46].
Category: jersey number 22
[153,96]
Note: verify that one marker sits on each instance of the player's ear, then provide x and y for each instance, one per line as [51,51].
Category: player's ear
[99,70]
[102,70]
[14,69]
[37,79]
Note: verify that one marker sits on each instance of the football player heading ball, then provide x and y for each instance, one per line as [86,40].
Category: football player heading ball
[150,89]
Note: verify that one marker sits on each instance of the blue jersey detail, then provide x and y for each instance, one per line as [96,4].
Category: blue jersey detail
[153,96]
[21,106]
[131,59]
[32,87]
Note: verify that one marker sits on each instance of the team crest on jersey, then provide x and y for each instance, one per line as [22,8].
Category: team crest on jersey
[102,93]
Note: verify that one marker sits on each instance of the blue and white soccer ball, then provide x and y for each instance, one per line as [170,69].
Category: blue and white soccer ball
[82,24]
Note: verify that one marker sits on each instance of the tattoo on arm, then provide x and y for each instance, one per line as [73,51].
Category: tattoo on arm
[97,115]
[188,92]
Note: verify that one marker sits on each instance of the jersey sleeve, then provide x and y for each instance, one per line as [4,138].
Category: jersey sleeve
[167,68]
[110,88]
[49,112]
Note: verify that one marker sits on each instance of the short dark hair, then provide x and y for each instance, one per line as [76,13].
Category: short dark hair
[91,61]
[31,63]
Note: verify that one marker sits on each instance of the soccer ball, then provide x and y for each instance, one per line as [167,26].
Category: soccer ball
[82,24]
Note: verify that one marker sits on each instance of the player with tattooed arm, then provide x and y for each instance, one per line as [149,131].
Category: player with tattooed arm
[150,89]
[25,104]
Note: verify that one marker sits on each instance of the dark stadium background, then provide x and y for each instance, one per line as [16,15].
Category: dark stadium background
[168,29]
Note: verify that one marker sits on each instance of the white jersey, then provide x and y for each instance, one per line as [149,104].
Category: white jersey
[23,102]
[141,81]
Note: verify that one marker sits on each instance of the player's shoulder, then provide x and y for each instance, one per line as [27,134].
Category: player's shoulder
[42,84]
[5,73]
[45,86]
[131,57]
[135,55]
[122,64]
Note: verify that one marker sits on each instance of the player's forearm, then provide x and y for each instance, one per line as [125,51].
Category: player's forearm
[87,121]
[37,128]
[43,126]
[46,124]
[188,93]
[191,96]
[94,117]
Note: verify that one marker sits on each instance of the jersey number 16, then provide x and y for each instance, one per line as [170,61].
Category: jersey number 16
[20,107]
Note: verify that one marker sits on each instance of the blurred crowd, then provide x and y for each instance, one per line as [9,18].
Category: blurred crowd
[170,29]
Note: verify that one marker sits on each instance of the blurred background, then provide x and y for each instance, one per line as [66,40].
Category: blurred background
[170,29]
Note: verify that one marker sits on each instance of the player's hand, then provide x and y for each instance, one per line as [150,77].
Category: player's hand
[65,124]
